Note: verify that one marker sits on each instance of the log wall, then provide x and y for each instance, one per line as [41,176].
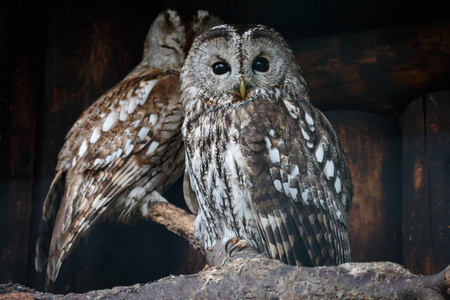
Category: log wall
[378,71]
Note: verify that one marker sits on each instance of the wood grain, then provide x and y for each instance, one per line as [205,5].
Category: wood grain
[426,183]
[379,71]
[372,144]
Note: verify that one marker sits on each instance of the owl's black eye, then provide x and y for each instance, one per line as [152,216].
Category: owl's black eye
[260,64]
[220,68]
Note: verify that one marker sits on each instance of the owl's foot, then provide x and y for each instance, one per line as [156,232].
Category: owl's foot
[234,244]
[148,200]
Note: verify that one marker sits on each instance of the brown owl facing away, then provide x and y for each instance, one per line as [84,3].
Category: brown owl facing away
[265,165]
[126,145]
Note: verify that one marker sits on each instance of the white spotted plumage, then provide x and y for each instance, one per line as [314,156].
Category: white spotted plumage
[95,135]
[125,145]
[264,164]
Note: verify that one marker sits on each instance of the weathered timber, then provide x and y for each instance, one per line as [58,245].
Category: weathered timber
[379,70]
[426,183]
[372,144]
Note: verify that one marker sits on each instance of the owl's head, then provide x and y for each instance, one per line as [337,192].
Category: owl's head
[170,37]
[229,64]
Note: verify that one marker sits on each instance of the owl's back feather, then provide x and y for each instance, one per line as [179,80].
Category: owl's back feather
[299,206]
[113,160]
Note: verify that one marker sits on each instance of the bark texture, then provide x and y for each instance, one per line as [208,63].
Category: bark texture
[256,277]
[174,219]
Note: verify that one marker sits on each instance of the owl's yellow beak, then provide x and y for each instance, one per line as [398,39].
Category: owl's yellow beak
[242,88]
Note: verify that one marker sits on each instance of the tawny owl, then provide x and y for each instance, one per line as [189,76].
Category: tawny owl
[265,165]
[125,145]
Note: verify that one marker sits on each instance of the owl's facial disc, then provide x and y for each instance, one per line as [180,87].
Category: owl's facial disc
[245,61]
[229,64]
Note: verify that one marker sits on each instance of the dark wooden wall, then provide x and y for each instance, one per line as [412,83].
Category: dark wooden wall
[426,178]
[373,147]
[365,62]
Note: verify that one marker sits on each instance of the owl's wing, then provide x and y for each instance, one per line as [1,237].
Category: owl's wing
[129,132]
[50,210]
[120,122]
[305,186]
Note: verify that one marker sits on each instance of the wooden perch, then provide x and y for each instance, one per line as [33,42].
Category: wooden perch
[175,219]
[251,275]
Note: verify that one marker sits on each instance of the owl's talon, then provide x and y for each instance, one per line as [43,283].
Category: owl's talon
[242,244]
[232,241]
[237,245]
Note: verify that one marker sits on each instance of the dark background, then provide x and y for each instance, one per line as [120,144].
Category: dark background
[57,58]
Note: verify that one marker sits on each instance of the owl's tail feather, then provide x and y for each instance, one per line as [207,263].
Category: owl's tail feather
[79,210]
[42,248]
[61,245]
[58,254]
[54,197]
[51,207]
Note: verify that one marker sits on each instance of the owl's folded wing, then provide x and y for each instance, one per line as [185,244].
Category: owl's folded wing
[303,188]
[125,135]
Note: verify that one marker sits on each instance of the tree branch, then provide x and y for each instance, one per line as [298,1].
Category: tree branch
[175,219]
[251,275]
[262,278]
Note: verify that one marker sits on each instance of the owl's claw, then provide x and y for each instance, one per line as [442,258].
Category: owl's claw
[233,241]
[236,245]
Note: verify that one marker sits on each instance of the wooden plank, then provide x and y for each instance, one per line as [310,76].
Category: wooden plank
[438,155]
[378,70]
[372,145]
[426,183]
[417,240]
